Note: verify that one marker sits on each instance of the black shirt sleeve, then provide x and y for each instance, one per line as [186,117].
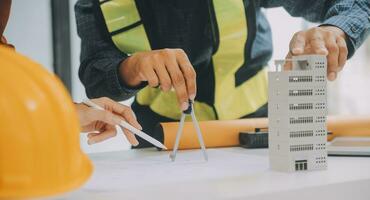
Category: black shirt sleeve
[100,59]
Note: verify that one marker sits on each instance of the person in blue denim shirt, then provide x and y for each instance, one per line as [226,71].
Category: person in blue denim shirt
[183,40]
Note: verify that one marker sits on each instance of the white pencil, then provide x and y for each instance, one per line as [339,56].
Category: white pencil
[128,126]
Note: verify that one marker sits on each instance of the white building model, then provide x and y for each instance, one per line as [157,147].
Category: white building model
[297,110]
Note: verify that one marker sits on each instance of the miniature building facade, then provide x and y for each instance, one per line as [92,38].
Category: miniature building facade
[297,110]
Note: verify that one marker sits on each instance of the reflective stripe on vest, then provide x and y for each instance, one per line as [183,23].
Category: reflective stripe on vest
[119,16]
[231,102]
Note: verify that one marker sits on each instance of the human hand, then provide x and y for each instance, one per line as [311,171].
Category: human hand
[324,40]
[166,68]
[100,124]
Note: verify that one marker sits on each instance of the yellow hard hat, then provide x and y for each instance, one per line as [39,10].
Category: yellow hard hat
[40,152]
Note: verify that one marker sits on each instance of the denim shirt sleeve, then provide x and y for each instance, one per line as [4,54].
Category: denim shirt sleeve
[100,59]
[352,16]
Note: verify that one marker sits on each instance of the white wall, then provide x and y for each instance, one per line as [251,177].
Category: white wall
[29,30]
[283,27]
[350,93]
[77,87]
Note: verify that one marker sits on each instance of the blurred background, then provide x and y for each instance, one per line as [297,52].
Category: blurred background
[48,22]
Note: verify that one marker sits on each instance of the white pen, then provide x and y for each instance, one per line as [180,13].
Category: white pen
[128,126]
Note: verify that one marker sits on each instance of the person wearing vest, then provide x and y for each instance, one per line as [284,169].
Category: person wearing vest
[214,52]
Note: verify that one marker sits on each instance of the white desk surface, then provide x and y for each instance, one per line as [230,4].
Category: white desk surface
[230,173]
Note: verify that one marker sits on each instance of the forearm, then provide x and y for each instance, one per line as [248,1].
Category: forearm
[352,16]
[101,77]
[353,19]
[100,59]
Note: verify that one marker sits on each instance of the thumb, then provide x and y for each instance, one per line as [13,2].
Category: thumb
[288,63]
[104,116]
[109,132]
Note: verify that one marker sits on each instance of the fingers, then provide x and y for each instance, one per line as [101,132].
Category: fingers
[343,52]
[288,64]
[105,116]
[130,137]
[148,73]
[298,43]
[324,40]
[164,77]
[117,112]
[114,108]
[104,121]
[308,42]
[167,68]
[332,57]
[128,115]
[178,82]
[317,41]
[108,132]
[188,72]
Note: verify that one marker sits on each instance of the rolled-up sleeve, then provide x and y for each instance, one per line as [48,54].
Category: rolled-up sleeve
[100,59]
[352,16]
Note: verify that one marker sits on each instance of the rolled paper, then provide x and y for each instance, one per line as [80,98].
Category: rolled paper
[225,133]
[218,133]
[352,126]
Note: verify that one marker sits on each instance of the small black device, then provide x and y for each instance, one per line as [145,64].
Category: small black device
[256,139]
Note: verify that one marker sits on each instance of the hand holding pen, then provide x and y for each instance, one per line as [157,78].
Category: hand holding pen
[100,124]
[126,124]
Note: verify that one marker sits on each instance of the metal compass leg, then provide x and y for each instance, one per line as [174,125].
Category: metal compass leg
[200,137]
[178,136]
[189,111]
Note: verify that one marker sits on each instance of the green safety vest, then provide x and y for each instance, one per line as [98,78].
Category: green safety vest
[230,102]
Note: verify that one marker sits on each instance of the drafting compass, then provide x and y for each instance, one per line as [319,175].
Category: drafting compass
[189,111]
